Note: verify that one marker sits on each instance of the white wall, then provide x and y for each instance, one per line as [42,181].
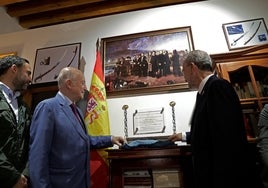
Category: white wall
[205,18]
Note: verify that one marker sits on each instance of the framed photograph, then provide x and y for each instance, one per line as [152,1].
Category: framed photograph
[49,61]
[245,33]
[146,63]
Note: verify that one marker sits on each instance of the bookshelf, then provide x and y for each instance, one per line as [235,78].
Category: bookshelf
[247,71]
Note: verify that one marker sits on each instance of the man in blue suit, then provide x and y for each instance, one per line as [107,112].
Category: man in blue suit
[217,137]
[59,143]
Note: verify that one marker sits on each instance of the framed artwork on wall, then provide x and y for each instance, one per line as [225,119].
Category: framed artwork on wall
[245,33]
[49,61]
[7,54]
[146,63]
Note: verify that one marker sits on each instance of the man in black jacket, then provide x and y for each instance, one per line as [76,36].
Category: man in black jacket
[263,144]
[217,136]
[15,116]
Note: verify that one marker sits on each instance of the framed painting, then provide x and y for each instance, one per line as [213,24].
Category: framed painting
[49,61]
[146,63]
[245,33]
[7,54]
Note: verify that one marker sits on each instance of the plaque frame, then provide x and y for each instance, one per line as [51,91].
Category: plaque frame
[149,134]
[150,121]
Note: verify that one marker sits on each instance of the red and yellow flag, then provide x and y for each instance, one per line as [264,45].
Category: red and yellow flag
[97,122]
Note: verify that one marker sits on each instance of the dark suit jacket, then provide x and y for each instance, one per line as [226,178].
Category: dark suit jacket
[218,138]
[14,142]
[59,147]
[263,144]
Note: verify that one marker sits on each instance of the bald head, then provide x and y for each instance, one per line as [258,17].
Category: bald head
[67,73]
[71,83]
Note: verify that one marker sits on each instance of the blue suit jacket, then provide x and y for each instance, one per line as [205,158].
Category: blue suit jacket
[59,147]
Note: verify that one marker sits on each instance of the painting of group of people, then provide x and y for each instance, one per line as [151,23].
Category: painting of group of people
[145,61]
[141,67]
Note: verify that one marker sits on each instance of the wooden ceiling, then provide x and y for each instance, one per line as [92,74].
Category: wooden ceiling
[40,13]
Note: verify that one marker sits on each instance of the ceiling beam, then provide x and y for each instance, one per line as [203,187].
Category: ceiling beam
[37,6]
[8,2]
[92,10]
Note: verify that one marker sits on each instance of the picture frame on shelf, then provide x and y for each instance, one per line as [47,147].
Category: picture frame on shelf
[146,63]
[50,60]
[246,33]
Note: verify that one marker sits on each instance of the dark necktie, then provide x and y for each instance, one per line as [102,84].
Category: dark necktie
[74,109]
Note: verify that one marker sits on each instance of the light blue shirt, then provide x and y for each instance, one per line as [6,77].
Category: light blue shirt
[11,98]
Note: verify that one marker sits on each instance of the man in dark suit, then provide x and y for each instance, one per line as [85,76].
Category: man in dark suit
[263,144]
[217,136]
[59,143]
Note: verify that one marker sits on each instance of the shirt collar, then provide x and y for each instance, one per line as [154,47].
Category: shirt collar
[9,94]
[203,82]
[65,98]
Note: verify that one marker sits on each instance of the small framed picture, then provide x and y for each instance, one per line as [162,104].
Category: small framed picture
[245,33]
[49,61]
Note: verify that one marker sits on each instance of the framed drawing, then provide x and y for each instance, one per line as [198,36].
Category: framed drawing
[49,61]
[146,63]
[245,33]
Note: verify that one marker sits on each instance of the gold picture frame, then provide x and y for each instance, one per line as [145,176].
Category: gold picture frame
[144,63]
[7,54]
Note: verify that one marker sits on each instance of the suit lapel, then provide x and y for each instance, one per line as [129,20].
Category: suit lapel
[82,119]
[72,119]
[200,98]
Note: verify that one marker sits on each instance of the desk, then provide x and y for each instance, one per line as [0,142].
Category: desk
[177,158]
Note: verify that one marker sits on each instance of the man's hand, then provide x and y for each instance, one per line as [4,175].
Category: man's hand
[175,137]
[118,140]
[22,182]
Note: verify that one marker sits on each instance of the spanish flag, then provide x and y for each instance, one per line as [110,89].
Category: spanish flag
[97,122]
